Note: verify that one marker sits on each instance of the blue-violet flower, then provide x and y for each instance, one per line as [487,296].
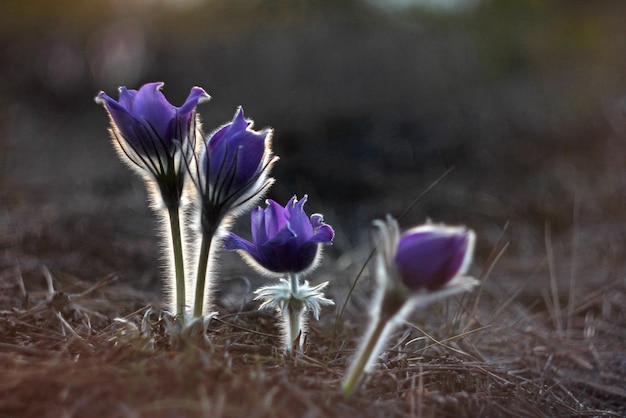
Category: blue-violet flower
[284,239]
[232,170]
[154,137]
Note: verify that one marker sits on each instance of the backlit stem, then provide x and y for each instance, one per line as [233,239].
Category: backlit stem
[294,315]
[368,352]
[205,251]
[179,268]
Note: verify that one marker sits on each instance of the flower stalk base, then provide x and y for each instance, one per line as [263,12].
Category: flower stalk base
[367,354]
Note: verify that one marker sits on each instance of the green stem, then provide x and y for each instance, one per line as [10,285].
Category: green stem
[364,356]
[179,266]
[205,249]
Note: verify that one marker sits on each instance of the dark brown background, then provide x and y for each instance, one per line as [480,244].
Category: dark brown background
[526,100]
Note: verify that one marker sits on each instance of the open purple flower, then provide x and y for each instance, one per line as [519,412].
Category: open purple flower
[284,240]
[153,136]
[425,264]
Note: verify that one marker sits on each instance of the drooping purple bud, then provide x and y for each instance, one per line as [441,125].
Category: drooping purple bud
[425,264]
[429,256]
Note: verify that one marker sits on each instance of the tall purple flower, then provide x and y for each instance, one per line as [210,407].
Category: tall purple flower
[231,172]
[154,137]
[284,239]
[425,264]
[157,140]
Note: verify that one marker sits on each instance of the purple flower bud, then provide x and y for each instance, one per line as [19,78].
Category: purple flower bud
[233,169]
[284,239]
[423,265]
[429,256]
[424,258]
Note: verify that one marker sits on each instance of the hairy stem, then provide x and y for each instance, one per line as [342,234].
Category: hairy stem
[205,251]
[294,310]
[179,267]
[368,351]
[293,326]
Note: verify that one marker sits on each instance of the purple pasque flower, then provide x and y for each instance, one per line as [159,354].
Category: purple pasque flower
[153,136]
[425,264]
[232,169]
[284,239]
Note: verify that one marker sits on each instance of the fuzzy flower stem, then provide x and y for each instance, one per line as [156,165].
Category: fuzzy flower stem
[179,268]
[203,261]
[366,354]
[294,310]
[294,313]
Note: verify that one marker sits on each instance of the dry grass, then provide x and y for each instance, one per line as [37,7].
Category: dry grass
[490,354]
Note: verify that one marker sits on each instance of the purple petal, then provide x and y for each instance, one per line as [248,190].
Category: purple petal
[235,242]
[152,108]
[236,154]
[216,138]
[274,218]
[324,235]
[127,97]
[124,121]
[281,238]
[431,258]
[239,121]
[298,220]
[238,124]
[196,95]
[316,220]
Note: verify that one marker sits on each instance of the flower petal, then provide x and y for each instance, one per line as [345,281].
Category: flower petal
[324,235]
[275,219]
[233,241]
[316,220]
[298,220]
[152,108]
[196,95]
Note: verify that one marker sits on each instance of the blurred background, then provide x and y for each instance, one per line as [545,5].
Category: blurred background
[371,101]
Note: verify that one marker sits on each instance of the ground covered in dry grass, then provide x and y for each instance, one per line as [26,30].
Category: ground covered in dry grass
[497,352]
